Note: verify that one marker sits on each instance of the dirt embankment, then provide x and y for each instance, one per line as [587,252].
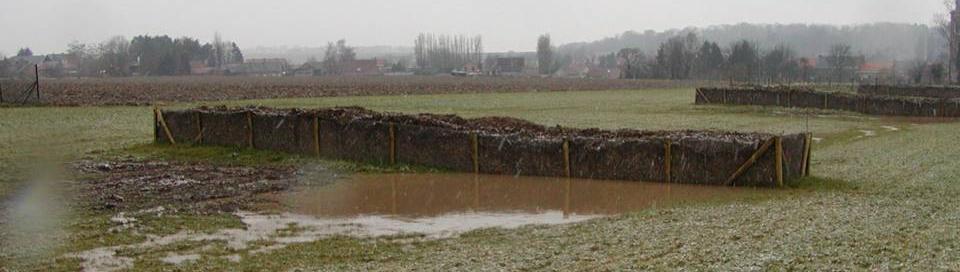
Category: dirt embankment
[192,187]
[150,90]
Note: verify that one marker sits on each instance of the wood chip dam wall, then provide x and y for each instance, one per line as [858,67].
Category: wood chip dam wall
[497,145]
[869,100]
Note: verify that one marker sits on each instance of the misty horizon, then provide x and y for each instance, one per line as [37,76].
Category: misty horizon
[505,26]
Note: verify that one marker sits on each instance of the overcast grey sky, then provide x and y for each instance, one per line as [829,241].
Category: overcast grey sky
[48,25]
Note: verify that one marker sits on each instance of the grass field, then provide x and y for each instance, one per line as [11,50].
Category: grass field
[884,198]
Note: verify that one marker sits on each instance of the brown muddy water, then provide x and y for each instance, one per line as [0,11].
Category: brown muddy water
[445,204]
[413,196]
[430,206]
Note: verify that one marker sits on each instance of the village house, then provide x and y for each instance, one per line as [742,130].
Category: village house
[365,67]
[258,67]
[509,65]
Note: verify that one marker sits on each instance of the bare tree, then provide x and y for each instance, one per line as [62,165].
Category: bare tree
[840,59]
[115,56]
[219,50]
[947,29]
[443,53]
[780,64]
[336,55]
[633,63]
[675,57]
[744,61]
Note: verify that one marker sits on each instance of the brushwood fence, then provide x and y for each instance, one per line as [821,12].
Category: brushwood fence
[497,145]
[944,92]
[806,98]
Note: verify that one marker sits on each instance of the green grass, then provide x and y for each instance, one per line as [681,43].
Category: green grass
[45,134]
[882,202]
[671,109]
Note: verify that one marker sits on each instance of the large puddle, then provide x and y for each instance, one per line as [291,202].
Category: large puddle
[426,205]
[445,204]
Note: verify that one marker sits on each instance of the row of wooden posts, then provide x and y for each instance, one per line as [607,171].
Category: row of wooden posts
[776,142]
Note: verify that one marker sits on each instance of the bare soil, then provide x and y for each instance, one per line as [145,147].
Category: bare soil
[192,187]
[150,90]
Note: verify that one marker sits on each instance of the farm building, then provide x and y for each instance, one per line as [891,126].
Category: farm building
[311,68]
[510,65]
[363,67]
[258,67]
[200,67]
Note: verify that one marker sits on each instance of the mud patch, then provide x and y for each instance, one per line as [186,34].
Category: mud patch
[131,185]
[275,230]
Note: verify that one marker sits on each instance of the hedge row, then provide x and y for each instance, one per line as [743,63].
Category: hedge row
[805,98]
[501,146]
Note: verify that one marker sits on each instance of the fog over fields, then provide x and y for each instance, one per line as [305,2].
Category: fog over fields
[505,25]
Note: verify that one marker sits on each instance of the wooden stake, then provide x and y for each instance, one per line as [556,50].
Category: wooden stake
[36,70]
[807,155]
[316,135]
[750,162]
[941,108]
[668,160]
[163,123]
[250,129]
[393,144]
[199,121]
[803,158]
[475,144]
[566,157]
[705,99]
[778,161]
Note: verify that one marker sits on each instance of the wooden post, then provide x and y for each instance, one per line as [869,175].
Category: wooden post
[941,109]
[807,144]
[156,127]
[316,135]
[809,157]
[667,160]
[1,91]
[566,157]
[393,144]
[566,199]
[250,129]
[475,146]
[197,118]
[750,162]
[825,99]
[163,124]
[36,70]
[702,96]
[778,160]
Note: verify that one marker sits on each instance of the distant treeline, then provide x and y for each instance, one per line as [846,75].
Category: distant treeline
[689,57]
[879,41]
[143,55]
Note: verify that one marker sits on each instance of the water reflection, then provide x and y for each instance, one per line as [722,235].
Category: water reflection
[418,196]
